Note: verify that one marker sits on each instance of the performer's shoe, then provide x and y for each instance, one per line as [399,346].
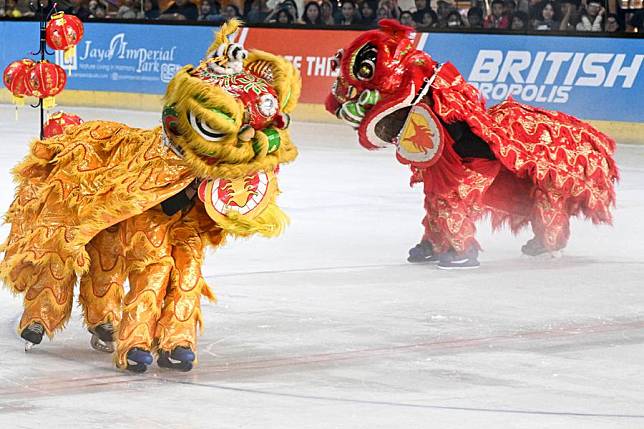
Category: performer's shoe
[180,358]
[138,360]
[102,337]
[534,247]
[32,335]
[423,252]
[459,261]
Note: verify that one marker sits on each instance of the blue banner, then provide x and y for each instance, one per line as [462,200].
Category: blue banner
[116,57]
[588,77]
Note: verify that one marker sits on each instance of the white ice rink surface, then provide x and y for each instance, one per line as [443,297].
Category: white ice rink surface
[328,327]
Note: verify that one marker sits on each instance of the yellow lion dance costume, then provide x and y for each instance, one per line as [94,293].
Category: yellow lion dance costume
[105,202]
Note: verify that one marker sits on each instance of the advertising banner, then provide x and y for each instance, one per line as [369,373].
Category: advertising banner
[589,77]
[593,78]
[133,58]
[116,57]
[310,51]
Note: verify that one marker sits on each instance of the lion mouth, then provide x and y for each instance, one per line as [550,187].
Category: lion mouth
[388,127]
[242,195]
[210,160]
[385,121]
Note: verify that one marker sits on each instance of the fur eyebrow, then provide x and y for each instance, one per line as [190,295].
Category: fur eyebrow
[225,115]
[203,102]
[201,109]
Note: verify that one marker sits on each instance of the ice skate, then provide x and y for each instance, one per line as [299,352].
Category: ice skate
[102,337]
[421,253]
[534,247]
[459,261]
[32,335]
[180,358]
[138,360]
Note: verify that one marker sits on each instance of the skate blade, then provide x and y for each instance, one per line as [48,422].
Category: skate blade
[176,366]
[459,265]
[100,345]
[28,346]
[475,267]
[557,254]
[136,367]
[423,261]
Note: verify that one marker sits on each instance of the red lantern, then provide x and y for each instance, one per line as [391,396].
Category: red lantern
[15,79]
[64,32]
[45,81]
[57,123]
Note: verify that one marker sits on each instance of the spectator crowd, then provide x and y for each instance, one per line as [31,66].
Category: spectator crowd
[610,16]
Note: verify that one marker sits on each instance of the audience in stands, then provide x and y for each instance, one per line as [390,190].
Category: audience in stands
[454,20]
[312,14]
[79,8]
[547,19]
[610,16]
[520,21]
[475,17]
[592,16]
[612,24]
[181,10]
[497,19]
[406,18]
[368,13]
[349,13]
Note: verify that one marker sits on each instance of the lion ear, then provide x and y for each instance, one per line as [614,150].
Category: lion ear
[395,28]
[221,37]
[279,73]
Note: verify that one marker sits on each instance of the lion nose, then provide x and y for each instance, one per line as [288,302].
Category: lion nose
[246,133]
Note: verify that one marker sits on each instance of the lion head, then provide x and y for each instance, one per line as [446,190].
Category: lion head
[228,116]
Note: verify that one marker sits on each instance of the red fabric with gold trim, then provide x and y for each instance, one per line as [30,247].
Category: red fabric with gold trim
[548,166]
[46,79]
[15,77]
[550,148]
[57,123]
[63,31]
[257,95]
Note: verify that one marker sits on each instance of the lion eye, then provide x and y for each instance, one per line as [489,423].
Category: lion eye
[364,66]
[366,71]
[210,134]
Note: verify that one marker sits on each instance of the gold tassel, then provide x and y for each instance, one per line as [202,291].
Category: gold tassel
[69,53]
[18,100]
[49,102]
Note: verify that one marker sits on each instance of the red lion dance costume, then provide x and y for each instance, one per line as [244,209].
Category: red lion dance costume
[517,163]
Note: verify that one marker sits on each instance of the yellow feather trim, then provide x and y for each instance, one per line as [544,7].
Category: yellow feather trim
[270,223]
[221,37]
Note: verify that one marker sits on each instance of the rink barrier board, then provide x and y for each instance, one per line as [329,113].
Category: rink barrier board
[622,132]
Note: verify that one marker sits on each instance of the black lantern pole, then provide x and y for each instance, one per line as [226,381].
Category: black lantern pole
[44,16]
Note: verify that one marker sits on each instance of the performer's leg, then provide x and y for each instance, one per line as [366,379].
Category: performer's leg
[423,252]
[101,288]
[47,302]
[176,330]
[452,231]
[550,224]
[149,263]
